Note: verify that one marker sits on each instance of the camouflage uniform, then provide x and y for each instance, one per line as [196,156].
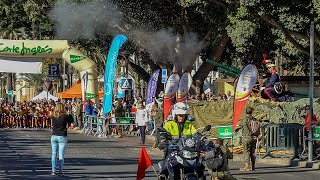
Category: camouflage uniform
[119,112]
[248,142]
[224,173]
[158,118]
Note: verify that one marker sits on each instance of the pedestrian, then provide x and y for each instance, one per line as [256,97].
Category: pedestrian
[79,115]
[309,123]
[89,107]
[250,131]
[60,120]
[141,121]
[229,96]
[318,118]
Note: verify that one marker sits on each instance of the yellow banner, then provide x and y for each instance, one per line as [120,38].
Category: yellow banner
[78,60]
[32,48]
[53,48]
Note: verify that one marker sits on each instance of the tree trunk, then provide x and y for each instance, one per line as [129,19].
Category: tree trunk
[9,85]
[205,68]
[139,70]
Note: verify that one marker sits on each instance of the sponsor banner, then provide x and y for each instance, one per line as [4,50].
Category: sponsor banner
[31,48]
[152,88]
[225,132]
[184,86]
[169,94]
[316,133]
[245,84]
[75,58]
[90,96]
[110,71]
[53,49]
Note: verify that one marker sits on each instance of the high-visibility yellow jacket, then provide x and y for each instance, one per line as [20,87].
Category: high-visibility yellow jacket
[172,128]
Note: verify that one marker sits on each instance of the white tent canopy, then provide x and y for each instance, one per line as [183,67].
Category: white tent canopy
[44,95]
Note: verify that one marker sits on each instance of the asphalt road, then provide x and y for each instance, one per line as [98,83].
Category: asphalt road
[26,154]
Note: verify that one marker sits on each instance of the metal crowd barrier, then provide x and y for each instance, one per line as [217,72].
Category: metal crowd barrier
[101,125]
[277,137]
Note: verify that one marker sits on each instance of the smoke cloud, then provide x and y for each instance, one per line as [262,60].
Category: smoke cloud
[166,46]
[74,20]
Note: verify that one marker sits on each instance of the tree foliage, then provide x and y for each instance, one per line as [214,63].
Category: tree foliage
[164,33]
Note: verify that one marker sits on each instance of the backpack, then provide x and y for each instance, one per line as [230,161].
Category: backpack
[214,159]
[255,127]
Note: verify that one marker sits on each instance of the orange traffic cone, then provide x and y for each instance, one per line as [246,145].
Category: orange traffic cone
[71,126]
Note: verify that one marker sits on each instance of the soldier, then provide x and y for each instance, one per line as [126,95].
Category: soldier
[158,118]
[268,74]
[249,141]
[119,112]
[270,89]
[223,173]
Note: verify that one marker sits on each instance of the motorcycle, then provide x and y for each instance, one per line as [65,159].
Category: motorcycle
[183,158]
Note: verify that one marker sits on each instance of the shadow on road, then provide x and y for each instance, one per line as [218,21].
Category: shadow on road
[27,155]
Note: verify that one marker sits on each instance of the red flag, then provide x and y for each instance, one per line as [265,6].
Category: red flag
[143,164]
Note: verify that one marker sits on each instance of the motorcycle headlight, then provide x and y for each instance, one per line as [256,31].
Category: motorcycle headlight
[189,154]
[190,142]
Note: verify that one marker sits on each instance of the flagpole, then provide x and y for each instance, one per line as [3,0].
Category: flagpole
[155,170]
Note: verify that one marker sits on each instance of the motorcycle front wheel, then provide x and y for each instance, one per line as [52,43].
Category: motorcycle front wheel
[191,178]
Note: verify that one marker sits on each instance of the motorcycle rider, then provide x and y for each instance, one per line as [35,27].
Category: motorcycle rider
[179,127]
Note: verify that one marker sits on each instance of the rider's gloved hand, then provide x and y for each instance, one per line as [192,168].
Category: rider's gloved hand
[262,88]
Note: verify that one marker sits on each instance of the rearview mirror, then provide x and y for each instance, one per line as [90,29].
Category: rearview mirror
[161,129]
[207,128]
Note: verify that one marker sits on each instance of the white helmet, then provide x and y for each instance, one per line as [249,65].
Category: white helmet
[181,108]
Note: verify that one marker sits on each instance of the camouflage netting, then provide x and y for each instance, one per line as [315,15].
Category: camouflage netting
[220,113]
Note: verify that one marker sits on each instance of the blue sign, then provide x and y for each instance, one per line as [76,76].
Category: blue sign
[164,75]
[126,84]
[10,92]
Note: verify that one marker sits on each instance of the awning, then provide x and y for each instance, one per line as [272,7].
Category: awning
[45,95]
[75,92]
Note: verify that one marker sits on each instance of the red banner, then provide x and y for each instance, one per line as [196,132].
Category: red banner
[246,82]
[184,86]
[169,94]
